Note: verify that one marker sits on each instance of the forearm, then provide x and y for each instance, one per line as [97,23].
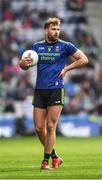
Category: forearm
[76,64]
[80,60]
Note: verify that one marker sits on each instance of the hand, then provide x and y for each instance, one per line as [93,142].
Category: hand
[62,73]
[25,63]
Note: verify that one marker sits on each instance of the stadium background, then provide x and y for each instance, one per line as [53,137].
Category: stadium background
[21,24]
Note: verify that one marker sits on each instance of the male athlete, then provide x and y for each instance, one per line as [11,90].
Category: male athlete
[49,93]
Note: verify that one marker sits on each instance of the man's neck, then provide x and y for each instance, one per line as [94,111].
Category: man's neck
[50,41]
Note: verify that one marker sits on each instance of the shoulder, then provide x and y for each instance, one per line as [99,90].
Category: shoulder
[39,43]
[36,45]
[69,47]
[62,41]
[66,43]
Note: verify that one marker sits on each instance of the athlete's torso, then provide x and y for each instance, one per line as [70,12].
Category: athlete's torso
[52,59]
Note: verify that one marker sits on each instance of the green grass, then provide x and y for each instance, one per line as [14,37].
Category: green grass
[20,158]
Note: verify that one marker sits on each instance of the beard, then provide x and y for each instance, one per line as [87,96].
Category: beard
[53,38]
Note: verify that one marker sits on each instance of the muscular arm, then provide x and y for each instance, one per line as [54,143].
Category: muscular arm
[80,60]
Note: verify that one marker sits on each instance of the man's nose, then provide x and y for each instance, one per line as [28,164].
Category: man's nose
[56,32]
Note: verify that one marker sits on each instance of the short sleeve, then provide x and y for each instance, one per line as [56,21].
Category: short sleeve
[33,47]
[71,48]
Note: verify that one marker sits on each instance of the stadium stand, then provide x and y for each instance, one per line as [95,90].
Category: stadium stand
[21,24]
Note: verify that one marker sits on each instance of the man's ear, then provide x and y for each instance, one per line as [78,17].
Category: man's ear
[46,31]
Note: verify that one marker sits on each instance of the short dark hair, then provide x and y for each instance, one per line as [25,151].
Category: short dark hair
[54,21]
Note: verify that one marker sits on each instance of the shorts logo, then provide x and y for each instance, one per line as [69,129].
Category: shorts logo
[57,102]
[56,83]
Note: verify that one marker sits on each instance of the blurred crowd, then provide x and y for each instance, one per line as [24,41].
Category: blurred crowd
[21,24]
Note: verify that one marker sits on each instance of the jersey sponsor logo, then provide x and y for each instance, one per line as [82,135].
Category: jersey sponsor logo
[44,58]
[49,54]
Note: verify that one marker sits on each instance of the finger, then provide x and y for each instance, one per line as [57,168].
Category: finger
[59,75]
[26,59]
[30,61]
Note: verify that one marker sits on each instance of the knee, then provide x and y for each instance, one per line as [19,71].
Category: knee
[39,129]
[50,128]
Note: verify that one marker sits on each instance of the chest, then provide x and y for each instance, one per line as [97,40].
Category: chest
[51,54]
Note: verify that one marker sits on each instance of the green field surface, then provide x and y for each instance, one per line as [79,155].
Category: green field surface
[20,158]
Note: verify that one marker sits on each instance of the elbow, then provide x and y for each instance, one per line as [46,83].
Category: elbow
[85,61]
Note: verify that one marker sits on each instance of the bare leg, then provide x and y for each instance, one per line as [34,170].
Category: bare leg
[40,123]
[52,119]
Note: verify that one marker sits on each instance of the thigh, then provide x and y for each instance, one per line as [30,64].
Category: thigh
[39,100]
[54,113]
[39,117]
[56,97]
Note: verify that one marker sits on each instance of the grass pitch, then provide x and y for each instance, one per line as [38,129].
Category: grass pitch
[20,158]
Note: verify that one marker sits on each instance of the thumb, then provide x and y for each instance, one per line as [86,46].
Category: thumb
[60,74]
